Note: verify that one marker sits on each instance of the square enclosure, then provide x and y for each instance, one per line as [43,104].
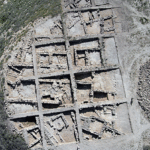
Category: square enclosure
[29,127]
[96,52]
[21,97]
[109,52]
[16,107]
[99,86]
[105,121]
[22,66]
[23,58]
[90,22]
[51,27]
[86,52]
[51,58]
[24,90]
[55,92]
[60,128]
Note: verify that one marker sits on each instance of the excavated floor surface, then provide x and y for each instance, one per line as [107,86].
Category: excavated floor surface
[64,88]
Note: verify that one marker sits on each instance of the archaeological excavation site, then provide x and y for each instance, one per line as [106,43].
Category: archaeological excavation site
[77,83]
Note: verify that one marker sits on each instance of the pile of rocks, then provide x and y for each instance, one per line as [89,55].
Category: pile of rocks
[144,89]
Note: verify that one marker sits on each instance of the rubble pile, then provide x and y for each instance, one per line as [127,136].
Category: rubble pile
[143,89]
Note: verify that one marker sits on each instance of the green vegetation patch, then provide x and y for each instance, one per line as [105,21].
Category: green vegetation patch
[147,147]
[2,45]
[144,20]
[19,13]
[9,141]
[141,5]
